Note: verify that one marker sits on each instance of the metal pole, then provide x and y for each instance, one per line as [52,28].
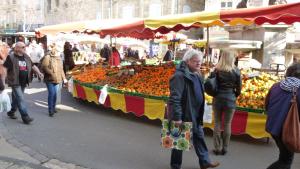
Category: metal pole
[207,44]
[110,37]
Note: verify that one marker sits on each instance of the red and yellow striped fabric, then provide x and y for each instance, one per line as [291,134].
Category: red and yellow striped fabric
[141,28]
[252,124]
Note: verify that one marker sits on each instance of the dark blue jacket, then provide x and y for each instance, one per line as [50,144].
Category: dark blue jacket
[182,101]
[278,102]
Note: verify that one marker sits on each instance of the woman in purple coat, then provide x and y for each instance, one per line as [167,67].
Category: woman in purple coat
[277,106]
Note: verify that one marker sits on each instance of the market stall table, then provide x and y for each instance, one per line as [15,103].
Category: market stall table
[244,122]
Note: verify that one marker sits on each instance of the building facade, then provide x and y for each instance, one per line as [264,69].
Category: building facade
[273,37]
[60,11]
[19,16]
[232,4]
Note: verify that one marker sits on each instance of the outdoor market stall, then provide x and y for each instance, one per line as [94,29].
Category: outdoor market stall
[249,117]
[145,93]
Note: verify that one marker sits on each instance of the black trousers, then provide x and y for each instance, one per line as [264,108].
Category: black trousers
[286,157]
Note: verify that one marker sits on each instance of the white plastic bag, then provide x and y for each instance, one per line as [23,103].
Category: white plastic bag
[103,94]
[58,93]
[207,117]
[70,85]
[5,104]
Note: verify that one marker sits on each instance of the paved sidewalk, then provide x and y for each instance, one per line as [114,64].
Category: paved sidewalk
[15,155]
[12,163]
[12,157]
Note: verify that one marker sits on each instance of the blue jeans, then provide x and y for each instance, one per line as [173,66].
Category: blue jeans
[200,148]
[18,101]
[52,89]
[285,156]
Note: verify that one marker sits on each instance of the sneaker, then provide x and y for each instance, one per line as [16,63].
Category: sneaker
[27,119]
[11,115]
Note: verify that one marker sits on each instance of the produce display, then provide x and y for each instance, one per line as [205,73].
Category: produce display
[91,75]
[147,80]
[154,81]
[255,90]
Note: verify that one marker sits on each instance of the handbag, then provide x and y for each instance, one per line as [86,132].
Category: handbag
[176,137]
[211,85]
[291,126]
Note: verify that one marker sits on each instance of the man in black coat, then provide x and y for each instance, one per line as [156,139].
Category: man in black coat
[186,104]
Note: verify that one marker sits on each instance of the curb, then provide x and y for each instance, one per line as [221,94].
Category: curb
[43,159]
[14,163]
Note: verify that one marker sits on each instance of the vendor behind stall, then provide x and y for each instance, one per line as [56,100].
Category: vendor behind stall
[169,54]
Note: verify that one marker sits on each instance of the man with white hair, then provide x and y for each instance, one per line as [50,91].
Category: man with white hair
[19,67]
[186,104]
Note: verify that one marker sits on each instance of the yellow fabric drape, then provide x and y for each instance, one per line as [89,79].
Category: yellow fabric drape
[256,125]
[154,109]
[169,21]
[117,101]
[90,95]
[74,91]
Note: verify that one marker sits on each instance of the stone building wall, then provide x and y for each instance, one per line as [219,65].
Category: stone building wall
[75,10]
[15,13]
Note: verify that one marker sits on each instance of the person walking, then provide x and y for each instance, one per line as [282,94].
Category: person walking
[19,67]
[54,75]
[277,105]
[4,49]
[35,53]
[186,104]
[229,84]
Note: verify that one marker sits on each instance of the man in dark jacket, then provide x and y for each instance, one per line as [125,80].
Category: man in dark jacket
[186,104]
[19,66]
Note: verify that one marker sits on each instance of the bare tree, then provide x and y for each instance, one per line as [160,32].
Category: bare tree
[242,4]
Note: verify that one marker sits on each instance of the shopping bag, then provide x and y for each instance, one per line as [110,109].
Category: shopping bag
[207,116]
[5,105]
[176,137]
[291,127]
[58,93]
[70,85]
